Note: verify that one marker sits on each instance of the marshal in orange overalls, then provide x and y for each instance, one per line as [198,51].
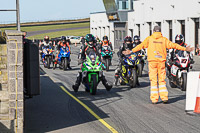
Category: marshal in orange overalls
[156,46]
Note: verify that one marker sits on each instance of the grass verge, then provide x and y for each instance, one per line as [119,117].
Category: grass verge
[49,27]
[80,32]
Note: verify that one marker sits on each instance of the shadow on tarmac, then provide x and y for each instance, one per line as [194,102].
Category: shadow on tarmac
[54,109]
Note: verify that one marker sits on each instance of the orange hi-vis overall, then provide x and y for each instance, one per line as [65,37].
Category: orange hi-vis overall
[156,46]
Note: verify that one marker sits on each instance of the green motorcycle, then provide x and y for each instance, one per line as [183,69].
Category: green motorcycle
[91,72]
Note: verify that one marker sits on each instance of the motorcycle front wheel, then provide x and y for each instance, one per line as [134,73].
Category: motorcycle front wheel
[184,81]
[48,62]
[134,79]
[107,64]
[65,64]
[139,70]
[93,89]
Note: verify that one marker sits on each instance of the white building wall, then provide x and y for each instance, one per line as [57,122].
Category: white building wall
[155,11]
[161,11]
[100,22]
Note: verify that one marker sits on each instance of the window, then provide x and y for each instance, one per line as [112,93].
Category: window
[150,28]
[138,25]
[127,4]
[117,37]
[124,34]
[131,30]
[196,31]
[170,30]
[122,4]
[120,35]
[183,27]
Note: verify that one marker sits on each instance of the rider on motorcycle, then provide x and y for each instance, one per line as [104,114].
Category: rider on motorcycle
[136,41]
[46,43]
[90,46]
[63,42]
[106,42]
[179,39]
[126,45]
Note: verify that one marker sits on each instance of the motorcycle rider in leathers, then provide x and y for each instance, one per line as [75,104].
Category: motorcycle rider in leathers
[127,45]
[90,46]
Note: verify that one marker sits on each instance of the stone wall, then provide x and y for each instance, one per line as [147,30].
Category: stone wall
[11,83]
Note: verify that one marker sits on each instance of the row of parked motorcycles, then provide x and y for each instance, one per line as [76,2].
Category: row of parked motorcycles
[132,67]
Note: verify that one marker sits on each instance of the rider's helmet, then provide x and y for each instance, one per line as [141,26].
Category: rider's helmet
[136,39]
[179,39]
[90,39]
[105,39]
[128,42]
[63,39]
[46,39]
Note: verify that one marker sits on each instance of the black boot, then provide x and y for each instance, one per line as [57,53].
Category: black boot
[106,84]
[69,67]
[116,80]
[78,82]
[117,73]
[138,84]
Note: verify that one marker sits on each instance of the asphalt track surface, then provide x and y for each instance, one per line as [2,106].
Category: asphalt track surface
[32,33]
[126,110]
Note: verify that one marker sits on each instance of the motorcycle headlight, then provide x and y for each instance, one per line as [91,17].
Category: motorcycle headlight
[133,58]
[129,62]
[88,67]
[98,67]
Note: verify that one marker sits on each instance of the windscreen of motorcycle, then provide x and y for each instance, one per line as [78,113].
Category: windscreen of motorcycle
[132,56]
[182,54]
[106,48]
[92,56]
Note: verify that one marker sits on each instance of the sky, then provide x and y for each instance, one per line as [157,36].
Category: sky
[43,10]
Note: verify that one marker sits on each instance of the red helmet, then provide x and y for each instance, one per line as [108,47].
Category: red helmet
[46,39]
[128,39]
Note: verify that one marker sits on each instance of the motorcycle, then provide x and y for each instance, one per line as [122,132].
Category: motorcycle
[106,54]
[177,72]
[47,56]
[63,58]
[129,70]
[91,73]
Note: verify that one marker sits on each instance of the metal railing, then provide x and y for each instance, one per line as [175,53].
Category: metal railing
[17,14]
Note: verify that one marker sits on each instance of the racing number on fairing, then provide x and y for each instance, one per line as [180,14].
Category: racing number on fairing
[174,70]
[183,60]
